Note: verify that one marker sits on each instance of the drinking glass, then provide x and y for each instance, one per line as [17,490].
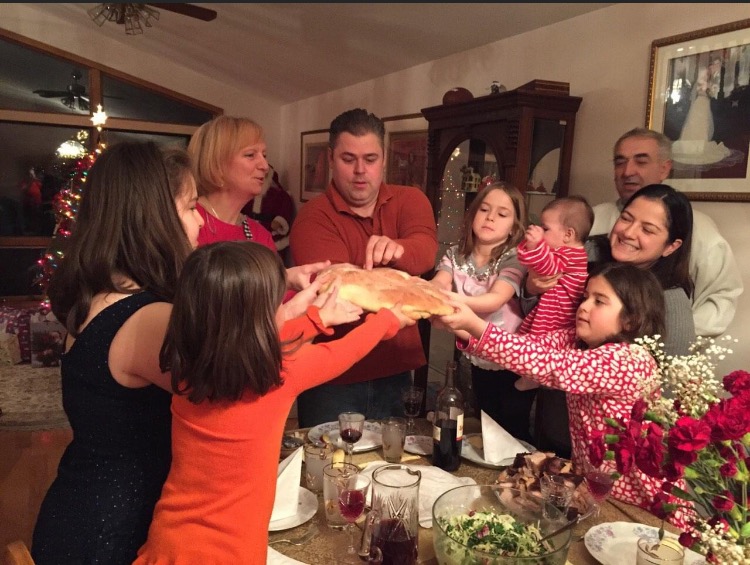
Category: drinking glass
[600,484]
[394,435]
[332,475]
[412,399]
[665,552]
[352,491]
[557,492]
[351,425]
[316,458]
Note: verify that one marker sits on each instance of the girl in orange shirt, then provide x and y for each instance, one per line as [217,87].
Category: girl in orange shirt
[235,383]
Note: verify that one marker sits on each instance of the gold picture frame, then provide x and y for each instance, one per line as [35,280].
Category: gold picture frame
[406,150]
[314,170]
[699,96]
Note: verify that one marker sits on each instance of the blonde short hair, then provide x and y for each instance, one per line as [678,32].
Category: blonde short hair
[214,143]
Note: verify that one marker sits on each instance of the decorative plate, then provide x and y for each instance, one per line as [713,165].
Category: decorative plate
[306,509]
[371,436]
[418,445]
[476,454]
[614,543]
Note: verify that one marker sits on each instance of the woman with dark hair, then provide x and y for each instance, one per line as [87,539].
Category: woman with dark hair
[654,232]
[135,227]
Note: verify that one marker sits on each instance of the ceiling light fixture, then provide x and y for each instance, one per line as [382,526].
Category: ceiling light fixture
[131,15]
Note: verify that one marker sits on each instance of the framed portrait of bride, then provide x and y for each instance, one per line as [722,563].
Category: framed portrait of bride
[699,97]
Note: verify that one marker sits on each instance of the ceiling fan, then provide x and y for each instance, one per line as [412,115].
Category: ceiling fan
[74,94]
[132,15]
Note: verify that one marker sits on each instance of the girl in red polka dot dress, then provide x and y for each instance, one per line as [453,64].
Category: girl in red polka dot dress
[597,363]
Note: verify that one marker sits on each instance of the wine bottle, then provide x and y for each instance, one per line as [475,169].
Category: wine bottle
[448,427]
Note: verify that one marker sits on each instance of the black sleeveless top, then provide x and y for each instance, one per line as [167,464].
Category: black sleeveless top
[99,507]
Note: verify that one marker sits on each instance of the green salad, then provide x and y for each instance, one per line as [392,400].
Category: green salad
[496,534]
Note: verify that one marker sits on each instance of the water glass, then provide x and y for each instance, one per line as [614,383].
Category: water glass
[557,492]
[394,435]
[316,458]
[334,475]
[665,552]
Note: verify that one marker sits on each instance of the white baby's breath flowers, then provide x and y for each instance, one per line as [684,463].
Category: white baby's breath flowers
[722,544]
[690,378]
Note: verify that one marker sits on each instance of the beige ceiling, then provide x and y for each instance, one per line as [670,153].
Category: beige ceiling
[288,52]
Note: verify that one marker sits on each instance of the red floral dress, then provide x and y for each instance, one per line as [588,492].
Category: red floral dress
[601,382]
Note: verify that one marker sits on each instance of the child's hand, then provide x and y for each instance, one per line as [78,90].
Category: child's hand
[539,284]
[334,311]
[297,305]
[462,319]
[451,296]
[403,319]
[534,236]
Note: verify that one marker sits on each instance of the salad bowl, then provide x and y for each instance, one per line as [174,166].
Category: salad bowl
[495,525]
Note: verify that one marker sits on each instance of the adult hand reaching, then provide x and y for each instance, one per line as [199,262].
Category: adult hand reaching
[539,284]
[298,278]
[382,250]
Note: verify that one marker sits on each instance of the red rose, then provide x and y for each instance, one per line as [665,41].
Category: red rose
[718,521]
[660,506]
[728,469]
[673,471]
[624,453]
[639,410]
[728,419]
[723,502]
[689,434]
[597,449]
[737,381]
[649,453]
[687,539]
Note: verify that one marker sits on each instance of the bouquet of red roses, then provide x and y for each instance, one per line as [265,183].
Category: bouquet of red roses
[695,439]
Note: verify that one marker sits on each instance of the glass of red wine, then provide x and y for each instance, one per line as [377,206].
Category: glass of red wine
[412,399]
[352,491]
[600,484]
[351,425]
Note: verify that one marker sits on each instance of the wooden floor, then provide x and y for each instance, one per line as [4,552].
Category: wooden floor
[28,465]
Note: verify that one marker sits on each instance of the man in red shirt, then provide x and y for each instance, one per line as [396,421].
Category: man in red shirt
[361,220]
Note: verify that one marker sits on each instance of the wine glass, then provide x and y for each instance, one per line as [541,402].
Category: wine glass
[351,425]
[352,490]
[600,484]
[412,399]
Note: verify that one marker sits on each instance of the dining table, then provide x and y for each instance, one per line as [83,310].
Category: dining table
[327,543]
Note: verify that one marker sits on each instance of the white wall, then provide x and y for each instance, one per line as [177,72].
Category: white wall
[604,55]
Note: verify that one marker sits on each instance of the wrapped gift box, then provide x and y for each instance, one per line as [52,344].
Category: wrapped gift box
[10,350]
[17,322]
[47,340]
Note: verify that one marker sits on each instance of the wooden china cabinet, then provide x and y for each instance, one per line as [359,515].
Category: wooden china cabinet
[523,136]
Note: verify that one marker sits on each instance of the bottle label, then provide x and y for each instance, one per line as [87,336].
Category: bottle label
[436,433]
[460,426]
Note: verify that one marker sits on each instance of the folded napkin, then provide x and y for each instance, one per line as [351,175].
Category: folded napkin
[276,558]
[434,482]
[497,443]
[287,486]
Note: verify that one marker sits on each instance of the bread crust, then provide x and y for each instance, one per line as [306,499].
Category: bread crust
[384,287]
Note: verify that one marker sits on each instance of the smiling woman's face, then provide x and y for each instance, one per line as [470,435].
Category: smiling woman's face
[640,235]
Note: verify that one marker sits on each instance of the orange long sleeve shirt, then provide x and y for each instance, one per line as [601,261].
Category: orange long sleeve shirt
[217,501]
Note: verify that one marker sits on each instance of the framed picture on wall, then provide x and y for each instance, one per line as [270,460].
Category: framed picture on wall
[406,150]
[314,171]
[699,97]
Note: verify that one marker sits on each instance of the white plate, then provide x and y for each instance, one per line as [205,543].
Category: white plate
[614,543]
[418,445]
[276,558]
[371,437]
[475,455]
[306,509]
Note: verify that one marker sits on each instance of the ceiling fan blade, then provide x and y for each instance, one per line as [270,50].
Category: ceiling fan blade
[189,10]
[51,93]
